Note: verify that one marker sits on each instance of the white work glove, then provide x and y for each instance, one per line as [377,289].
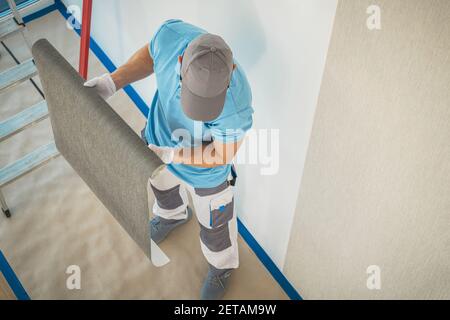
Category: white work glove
[166,154]
[104,85]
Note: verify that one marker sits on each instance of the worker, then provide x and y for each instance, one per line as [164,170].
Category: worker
[197,121]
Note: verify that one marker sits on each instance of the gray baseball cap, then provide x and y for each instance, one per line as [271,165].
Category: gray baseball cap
[205,76]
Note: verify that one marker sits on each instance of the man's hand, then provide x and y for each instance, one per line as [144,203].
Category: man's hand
[104,85]
[166,154]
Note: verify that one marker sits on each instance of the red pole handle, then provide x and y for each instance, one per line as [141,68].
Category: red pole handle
[85,37]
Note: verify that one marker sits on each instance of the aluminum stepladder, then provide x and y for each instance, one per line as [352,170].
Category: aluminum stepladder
[11,25]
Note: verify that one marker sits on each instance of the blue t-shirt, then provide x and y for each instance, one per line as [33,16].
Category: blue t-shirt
[167,124]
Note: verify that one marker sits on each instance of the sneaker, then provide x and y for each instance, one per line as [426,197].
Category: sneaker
[215,284]
[160,227]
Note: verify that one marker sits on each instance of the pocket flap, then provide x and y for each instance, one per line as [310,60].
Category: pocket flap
[222,200]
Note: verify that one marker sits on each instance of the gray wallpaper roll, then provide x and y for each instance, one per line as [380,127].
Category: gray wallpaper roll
[98,144]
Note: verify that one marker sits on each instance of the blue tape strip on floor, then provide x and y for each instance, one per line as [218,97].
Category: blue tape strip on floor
[12,279]
[142,106]
[40,13]
[268,262]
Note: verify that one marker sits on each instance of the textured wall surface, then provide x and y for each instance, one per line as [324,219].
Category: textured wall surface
[98,144]
[376,186]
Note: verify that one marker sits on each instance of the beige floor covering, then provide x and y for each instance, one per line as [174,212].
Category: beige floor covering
[5,291]
[57,221]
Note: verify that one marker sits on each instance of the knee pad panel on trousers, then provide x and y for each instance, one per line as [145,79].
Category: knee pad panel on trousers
[216,239]
[168,199]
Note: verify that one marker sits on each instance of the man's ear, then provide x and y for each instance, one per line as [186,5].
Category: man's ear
[234,67]
[180,59]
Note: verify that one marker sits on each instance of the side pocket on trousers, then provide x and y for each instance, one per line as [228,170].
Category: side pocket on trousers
[221,208]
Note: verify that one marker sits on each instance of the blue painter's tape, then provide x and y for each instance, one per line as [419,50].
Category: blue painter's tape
[268,263]
[40,13]
[12,279]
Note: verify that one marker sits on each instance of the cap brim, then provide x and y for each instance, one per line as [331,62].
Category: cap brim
[200,108]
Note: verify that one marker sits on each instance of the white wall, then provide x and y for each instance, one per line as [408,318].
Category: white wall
[282,45]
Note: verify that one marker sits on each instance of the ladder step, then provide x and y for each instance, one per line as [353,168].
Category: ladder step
[18,74]
[28,163]
[9,27]
[22,120]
